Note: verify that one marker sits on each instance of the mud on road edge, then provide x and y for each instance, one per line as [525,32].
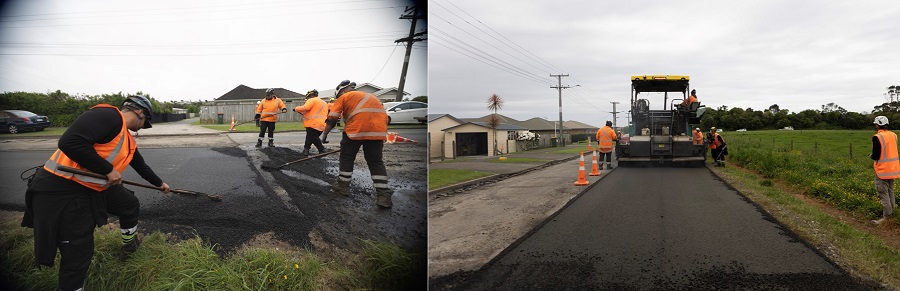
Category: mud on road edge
[472,184]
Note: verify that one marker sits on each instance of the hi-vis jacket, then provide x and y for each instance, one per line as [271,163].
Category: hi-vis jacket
[888,165]
[363,114]
[117,152]
[698,137]
[268,109]
[717,141]
[314,111]
[605,136]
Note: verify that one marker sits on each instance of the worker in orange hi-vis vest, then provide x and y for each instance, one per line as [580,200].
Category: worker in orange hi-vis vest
[365,126]
[887,167]
[717,146]
[330,104]
[314,111]
[606,137]
[268,110]
[698,136]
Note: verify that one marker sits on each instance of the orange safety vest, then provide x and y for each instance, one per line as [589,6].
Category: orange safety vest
[715,143]
[268,109]
[364,116]
[314,113]
[888,165]
[689,100]
[698,137]
[605,137]
[118,152]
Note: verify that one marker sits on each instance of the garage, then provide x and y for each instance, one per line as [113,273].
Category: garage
[471,144]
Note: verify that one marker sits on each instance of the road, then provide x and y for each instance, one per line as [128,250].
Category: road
[657,229]
[294,203]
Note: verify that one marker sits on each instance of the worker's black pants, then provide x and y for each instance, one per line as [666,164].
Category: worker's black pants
[372,152]
[69,206]
[266,126]
[607,157]
[312,138]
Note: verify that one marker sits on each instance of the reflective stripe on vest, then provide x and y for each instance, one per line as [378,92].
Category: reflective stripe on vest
[888,164]
[367,119]
[605,139]
[112,152]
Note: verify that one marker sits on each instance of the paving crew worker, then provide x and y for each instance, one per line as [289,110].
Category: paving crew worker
[64,208]
[268,109]
[698,136]
[717,146]
[366,127]
[314,111]
[686,103]
[605,138]
[887,167]
[330,104]
[256,117]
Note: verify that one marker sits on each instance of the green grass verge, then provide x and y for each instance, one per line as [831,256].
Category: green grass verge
[50,131]
[518,160]
[438,178]
[160,264]
[857,249]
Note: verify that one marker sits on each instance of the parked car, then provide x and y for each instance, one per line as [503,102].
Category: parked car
[406,112]
[742,129]
[15,121]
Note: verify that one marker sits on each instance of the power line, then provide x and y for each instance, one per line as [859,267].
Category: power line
[385,63]
[190,54]
[485,60]
[459,43]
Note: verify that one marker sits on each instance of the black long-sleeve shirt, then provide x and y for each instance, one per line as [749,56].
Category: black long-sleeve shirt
[98,126]
[876,148]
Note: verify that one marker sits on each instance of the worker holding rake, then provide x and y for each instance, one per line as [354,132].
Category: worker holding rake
[314,111]
[63,208]
[366,127]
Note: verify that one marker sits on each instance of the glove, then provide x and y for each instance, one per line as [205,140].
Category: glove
[256,116]
[283,110]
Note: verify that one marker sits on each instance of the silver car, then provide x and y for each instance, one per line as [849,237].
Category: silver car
[406,112]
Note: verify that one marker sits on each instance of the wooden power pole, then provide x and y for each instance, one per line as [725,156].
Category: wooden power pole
[412,38]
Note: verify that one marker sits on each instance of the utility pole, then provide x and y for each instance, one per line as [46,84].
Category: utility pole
[614,113]
[559,87]
[409,43]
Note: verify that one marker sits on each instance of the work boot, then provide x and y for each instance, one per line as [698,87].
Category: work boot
[305,153]
[259,143]
[880,221]
[129,248]
[384,198]
[271,142]
[609,166]
[341,187]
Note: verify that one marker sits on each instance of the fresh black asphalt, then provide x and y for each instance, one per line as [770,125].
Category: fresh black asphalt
[657,229]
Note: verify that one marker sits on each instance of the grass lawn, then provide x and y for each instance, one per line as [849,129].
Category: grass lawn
[438,178]
[50,131]
[164,263]
[518,160]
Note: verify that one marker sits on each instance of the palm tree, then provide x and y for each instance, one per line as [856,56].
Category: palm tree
[494,103]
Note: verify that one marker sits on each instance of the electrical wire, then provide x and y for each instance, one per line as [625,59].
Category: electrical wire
[385,63]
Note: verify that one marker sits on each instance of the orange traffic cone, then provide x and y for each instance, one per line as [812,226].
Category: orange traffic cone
[391,137]
[595,171]
[582,180]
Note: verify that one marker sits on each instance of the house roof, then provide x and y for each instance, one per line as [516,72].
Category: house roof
[571,124]
[502,126]
[538,123]
[242,92]
[433,117]
[501,117]
[365,87]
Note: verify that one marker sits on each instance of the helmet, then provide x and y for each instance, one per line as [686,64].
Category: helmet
[331,100]
[312,93]
[344,84]
[270,91]
[712,128]
[697,129]
[608,123]
[693,91]
[881,120]
[140,102]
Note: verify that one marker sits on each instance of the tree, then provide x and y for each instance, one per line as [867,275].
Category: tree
[494,103]
[423,99]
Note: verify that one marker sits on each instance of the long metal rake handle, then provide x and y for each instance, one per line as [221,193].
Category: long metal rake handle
[216,198]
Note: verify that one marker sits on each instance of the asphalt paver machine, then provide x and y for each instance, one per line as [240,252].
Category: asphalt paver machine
[661,136]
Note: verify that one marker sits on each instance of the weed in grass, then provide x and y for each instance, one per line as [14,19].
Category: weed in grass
[766,182]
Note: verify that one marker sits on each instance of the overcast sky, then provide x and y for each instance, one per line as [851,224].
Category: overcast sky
[199,50]
[797,54]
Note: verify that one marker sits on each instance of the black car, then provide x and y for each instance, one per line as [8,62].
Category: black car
[16,121]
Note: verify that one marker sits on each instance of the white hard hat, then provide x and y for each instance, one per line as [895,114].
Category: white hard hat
[881,120]
[697,129]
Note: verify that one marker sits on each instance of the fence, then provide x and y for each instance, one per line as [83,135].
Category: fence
[243,111]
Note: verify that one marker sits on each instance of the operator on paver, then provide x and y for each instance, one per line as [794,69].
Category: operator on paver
[605,138]
[887,167]
[365,126]
[686,103]
[314,112]
[698,136]
[63,208]
[268,109]
[717,146]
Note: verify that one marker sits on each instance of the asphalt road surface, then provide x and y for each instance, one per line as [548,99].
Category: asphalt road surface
[295,204]
[657,229]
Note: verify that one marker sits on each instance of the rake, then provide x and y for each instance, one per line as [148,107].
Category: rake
[212,197]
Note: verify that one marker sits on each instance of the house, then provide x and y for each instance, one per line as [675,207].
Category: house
[580,131]
[383,94]
[241,103]
[547,130]
[450,137]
